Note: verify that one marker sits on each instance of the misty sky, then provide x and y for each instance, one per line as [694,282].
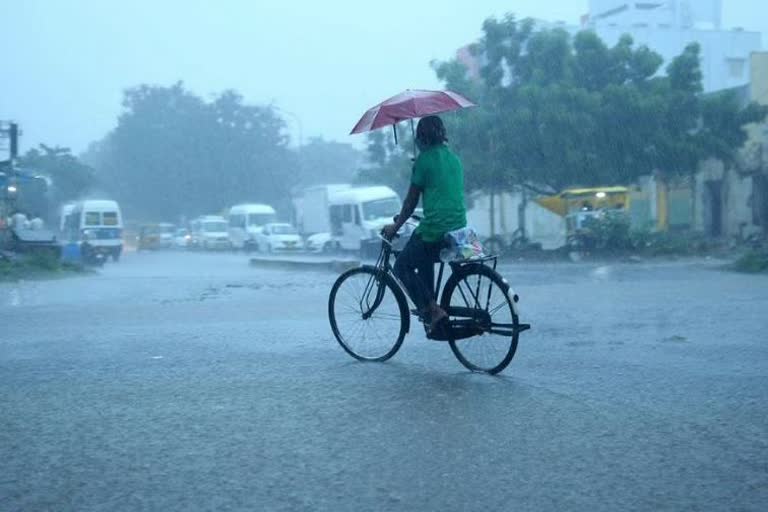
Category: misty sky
[66,63]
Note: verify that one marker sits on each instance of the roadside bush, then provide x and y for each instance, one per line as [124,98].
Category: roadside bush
[669,243]
[37,264]
[611,232]
[753,262]
[43,260]
[608,233]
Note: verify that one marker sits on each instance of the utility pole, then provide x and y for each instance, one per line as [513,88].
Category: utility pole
[8,167]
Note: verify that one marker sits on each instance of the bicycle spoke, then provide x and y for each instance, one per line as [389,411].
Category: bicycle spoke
[366,316]
[491,349]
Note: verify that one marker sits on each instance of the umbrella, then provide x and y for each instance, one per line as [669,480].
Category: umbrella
[410,104]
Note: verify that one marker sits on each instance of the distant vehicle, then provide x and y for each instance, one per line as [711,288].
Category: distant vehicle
[148,238]
[336,217]
[210,232]
[167,231]
[97,225]
[320,242]
[312,208]
[182,239]
[582,209]
[246,221]
[278,237]
[156,236]
[358,214]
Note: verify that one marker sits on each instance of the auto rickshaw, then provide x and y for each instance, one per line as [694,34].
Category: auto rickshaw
[149,237]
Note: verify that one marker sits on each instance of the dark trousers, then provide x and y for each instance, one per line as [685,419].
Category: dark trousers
[415,268]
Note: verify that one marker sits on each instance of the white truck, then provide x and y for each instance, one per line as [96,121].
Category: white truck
[312,208]
[345,217]
[358,214]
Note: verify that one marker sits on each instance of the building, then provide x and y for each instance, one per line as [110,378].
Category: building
[733,202]
[667,27]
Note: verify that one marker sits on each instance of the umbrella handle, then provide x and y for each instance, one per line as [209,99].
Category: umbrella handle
[413,136]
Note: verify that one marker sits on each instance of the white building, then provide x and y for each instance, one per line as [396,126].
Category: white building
[668,26]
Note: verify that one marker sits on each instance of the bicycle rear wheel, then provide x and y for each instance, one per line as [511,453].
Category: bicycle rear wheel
[368,314]
[477,296]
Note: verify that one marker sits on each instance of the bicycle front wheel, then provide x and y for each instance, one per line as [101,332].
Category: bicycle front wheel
[368,314]
[478,297]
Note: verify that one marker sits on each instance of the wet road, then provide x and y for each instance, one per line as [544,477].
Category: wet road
[194,382]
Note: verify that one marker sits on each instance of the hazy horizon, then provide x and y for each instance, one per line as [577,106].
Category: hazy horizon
[323,65]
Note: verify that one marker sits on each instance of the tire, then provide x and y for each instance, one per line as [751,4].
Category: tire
[352,330]
[116,255]
[487,352]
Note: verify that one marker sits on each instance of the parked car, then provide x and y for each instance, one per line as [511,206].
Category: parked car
[182,239]
[167,231]
[275,237]
[322,243]
[210,232]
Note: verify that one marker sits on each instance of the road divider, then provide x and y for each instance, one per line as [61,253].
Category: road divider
[306,263]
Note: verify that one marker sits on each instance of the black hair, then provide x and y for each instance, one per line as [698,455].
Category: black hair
[431,131]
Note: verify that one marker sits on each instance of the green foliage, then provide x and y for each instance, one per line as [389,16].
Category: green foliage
[71,178]
[753,262]
[612,233]
[390,163]
[663,243]
[558,111]
[36,265]
[322,161]
[173,153]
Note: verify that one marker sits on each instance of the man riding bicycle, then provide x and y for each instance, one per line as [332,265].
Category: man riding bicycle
[438,180]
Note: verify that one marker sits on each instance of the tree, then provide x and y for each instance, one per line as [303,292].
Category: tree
[389,163]
[71,179]
[172,154]
[558,111]
[322,161]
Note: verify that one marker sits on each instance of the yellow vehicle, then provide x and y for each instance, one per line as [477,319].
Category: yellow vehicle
[582,206]
[155,236]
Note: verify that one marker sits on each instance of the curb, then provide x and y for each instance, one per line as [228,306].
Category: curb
[321,265]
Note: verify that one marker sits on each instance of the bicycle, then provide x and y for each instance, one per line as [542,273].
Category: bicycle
[370,315]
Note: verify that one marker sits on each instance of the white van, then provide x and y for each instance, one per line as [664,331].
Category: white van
[98,223]
[246,221]
[210,232]
[358,214]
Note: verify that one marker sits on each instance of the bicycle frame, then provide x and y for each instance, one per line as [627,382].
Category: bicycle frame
[383,263]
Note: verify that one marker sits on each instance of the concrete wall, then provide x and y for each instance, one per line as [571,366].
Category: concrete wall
[541,225]
[736,205]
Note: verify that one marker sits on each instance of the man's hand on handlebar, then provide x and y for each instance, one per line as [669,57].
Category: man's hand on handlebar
[389,231]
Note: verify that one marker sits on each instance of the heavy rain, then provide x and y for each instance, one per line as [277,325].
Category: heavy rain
[407,256]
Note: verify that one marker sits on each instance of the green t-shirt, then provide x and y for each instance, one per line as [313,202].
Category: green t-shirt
[440,175]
